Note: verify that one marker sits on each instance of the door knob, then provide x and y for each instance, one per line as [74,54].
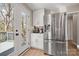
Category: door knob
[17,34]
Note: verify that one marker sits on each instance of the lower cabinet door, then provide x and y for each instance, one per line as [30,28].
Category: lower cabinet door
[40,43]
[37,41]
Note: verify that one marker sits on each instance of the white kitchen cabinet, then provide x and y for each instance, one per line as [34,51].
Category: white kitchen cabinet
[37,40]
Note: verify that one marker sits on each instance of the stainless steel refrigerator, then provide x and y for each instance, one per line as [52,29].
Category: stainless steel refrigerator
[55,34]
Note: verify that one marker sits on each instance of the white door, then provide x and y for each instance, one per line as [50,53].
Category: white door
[22,29]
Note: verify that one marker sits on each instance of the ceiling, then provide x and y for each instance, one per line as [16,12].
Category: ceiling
[51,6]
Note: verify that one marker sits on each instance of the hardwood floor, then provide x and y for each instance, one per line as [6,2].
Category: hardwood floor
[34,52]
[72,49]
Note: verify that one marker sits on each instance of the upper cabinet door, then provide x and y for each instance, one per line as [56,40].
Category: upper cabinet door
[38,17]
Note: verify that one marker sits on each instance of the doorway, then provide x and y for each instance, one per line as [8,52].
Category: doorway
[72,33]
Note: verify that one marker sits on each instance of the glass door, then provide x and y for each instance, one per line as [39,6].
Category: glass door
[25,30]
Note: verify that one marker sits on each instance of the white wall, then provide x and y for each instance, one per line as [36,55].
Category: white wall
[18,9]
[70,29]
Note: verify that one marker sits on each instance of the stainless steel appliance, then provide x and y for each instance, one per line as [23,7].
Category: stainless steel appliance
[54,35]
